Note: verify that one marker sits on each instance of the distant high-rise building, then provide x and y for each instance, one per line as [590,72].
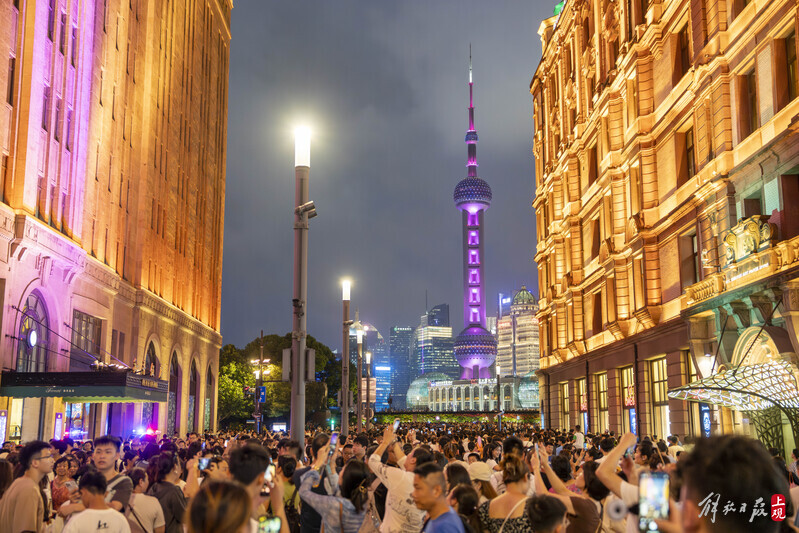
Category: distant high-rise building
[503,304]
[433,345]
[399,341]
[437,316]
[382,375]
[517,336]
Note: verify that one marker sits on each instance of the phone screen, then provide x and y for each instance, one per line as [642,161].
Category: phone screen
[269,525]
[269,474]
[333,440]
[204,463]
[653,500]
[396,424]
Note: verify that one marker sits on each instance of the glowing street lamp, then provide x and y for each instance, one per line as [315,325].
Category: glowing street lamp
[346,285]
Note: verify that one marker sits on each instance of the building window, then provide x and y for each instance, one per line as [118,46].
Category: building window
[596,308]
[695,417]
[582,397]
[33,336]
[660,398]
[173,406]
[46,109]
[690,158]
[593,164]
[74,56]
[86,340]
[474,276]
[628,399]
[689,260]
[474,257]
[565,422]
[636,189]
[753,204]
[12,68]
[62,41]
[790,61]
[194,385]
[603,416]
[51,20]
[749,118]
[474,239]
[683,62]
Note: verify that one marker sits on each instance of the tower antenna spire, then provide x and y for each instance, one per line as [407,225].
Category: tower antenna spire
[470,62]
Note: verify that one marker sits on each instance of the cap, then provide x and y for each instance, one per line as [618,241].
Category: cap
[479,471]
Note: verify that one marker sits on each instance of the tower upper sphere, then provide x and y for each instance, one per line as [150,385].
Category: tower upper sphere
[472,190]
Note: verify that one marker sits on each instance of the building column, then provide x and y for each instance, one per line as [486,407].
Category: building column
[615,402]
[677,372]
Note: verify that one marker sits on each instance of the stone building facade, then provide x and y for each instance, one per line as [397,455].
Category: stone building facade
[662,129]
[112,136]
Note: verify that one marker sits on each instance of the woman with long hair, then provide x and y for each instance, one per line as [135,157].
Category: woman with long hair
[464,499]
[492,452]
[344,511]
[219,507]
[506,512]
[165,470]
[455,474]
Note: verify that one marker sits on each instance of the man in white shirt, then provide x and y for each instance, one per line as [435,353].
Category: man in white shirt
[98,517]
[402,515]
[579,438]
[144,512]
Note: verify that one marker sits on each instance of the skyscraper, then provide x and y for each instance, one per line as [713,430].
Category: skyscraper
[475,347]
[433,344]
[517,336]
[399,341]
[112,196]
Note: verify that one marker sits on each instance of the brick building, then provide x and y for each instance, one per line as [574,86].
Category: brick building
[112,191]
[663,131]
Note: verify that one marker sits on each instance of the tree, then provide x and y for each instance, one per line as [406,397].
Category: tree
[234,375]
[236,372]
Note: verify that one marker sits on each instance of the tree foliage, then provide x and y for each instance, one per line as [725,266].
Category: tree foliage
[236,372]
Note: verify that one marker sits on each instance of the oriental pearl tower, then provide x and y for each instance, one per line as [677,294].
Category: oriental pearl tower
[475,347]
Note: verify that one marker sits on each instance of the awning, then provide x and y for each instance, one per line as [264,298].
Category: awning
[749,388]
[102,386]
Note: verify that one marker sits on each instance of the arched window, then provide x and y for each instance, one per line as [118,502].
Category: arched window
[209,397]
[33,335]
[172,406]
[194,384]
[149,415]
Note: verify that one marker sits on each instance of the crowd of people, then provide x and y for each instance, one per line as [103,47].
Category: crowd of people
[434,478]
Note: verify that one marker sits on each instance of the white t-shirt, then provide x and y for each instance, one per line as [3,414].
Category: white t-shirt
[147,510]
[579,440]
[97,521]
[402,515]
[629,494]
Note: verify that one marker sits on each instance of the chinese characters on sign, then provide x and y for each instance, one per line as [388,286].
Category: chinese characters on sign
[710,507]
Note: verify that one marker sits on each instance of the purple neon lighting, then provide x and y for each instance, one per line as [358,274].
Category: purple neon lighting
[474,238]
[472,219]
[474,257]
[474,276]
[474,315]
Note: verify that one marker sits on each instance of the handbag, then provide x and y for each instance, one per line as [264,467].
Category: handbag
[371,522]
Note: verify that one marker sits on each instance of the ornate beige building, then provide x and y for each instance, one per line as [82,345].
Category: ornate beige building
[666,200]
[112,136]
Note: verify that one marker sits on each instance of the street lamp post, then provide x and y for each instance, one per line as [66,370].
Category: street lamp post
[359,406]
[303,211]
[499,401]
[368,400]
[257,412]
[345,359]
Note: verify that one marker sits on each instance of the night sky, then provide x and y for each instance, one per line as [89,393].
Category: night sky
[383,86]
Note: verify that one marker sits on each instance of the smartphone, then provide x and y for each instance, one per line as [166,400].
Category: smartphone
[536,448]
[630,451]
[449,431]
[269,474]
[269,525]
[204,463]
[653,500]
[396,424]
[71,485]
[333,442]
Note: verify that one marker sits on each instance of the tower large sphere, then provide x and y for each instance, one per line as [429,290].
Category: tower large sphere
[472,190]
[475,346]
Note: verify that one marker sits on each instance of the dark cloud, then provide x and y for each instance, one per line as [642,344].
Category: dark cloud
[384,87]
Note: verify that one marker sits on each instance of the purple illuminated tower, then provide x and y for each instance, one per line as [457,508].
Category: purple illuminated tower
[475,347]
